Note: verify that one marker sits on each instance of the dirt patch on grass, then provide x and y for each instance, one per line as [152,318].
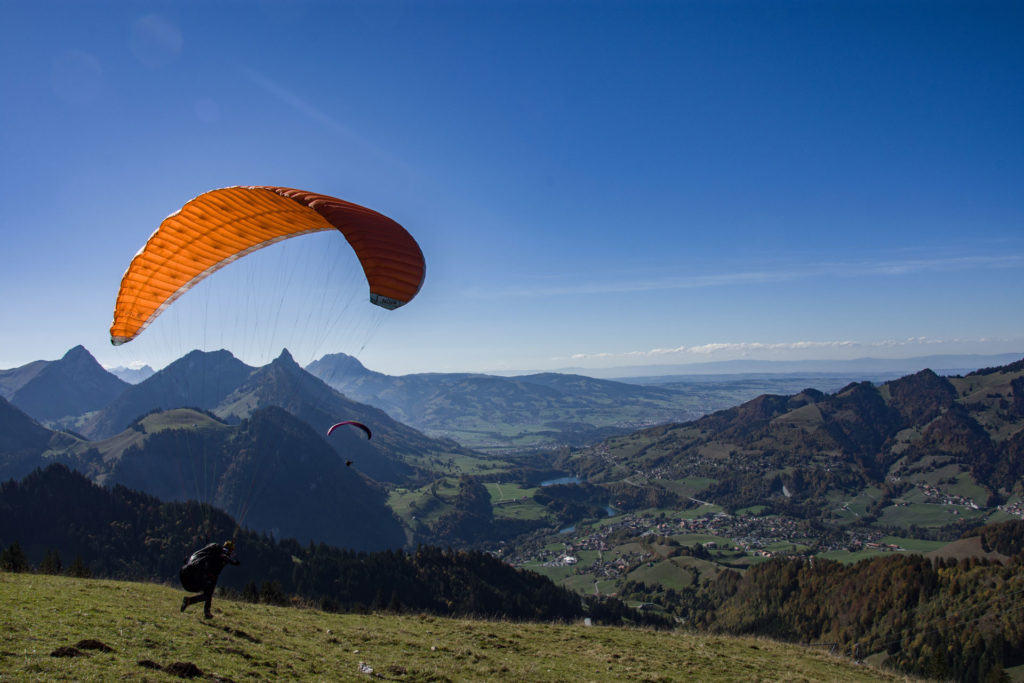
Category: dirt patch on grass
[90,644]
[183,670]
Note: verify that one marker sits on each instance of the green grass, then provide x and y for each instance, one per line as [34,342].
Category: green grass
[512,501]
[968,488]
[580,583]
[667,573]
[689,486]
[859,504]
[508,492]
[701,539]
[558,574]
[176,419]
[419,503]
[526,510]
[849,557]
[914,545]
[423,503]
[926,515]
[141,623]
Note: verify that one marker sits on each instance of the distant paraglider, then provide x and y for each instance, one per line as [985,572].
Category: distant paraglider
[360,425]
[369,434]
[224,225]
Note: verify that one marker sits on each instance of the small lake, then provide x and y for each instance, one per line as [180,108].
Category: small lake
[562,480]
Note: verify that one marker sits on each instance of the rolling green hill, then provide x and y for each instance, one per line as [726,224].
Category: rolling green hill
[60,628]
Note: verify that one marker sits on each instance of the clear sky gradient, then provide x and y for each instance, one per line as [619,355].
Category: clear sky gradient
[593,183]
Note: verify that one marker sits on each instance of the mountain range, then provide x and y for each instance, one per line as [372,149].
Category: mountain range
[916,439]
[949,364]
[132,375]
[489,413]
[865,453]
[222,384]
[210,428]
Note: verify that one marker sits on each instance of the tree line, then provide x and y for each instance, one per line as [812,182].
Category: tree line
[57,513]
[950,619]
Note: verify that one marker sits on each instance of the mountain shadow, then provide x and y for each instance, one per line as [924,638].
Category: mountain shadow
[272,472]
[23,441]
[388,457]
[200,379]
[73,385]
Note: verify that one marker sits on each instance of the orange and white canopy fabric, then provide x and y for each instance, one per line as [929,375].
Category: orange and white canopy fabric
[223,225]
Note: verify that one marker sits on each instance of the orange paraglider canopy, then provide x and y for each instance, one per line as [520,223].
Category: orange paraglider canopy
[223,225]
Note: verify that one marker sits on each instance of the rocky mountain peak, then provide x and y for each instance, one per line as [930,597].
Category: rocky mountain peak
[77,354]
[285,360]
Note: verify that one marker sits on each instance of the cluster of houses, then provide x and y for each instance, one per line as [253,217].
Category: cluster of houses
[1016,508]
[742,534]
[936,495]
[753,534]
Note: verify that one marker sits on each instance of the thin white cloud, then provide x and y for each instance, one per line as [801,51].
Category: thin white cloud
[746,349]
[308,109]
[755,277]
[943,264]
[314,113]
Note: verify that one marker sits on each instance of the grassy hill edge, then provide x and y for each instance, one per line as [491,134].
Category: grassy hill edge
[115,629]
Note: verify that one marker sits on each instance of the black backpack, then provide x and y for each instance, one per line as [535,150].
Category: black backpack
[195,574]
[192,577]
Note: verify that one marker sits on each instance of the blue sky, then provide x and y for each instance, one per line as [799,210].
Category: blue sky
[593,183]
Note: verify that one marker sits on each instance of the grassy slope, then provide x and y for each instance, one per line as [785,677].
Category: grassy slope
[243,642]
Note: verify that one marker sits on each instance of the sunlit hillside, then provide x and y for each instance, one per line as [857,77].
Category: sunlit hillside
[59,628]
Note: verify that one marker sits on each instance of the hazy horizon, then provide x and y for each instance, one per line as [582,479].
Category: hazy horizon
[941,362]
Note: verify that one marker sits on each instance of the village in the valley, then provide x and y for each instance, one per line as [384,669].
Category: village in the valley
[610,549]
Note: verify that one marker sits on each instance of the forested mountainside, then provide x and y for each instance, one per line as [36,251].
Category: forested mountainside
[801,452]
[271,471]
[120,533]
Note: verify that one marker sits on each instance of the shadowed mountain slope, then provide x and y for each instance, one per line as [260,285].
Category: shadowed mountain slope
[23,441]
[271,471]
[73,385]
[199,379]
[388,457]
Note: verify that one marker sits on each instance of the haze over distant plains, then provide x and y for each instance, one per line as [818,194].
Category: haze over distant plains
[594,185]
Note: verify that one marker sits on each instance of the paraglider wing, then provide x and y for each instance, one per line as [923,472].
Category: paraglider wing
[366,429]
[223,225]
